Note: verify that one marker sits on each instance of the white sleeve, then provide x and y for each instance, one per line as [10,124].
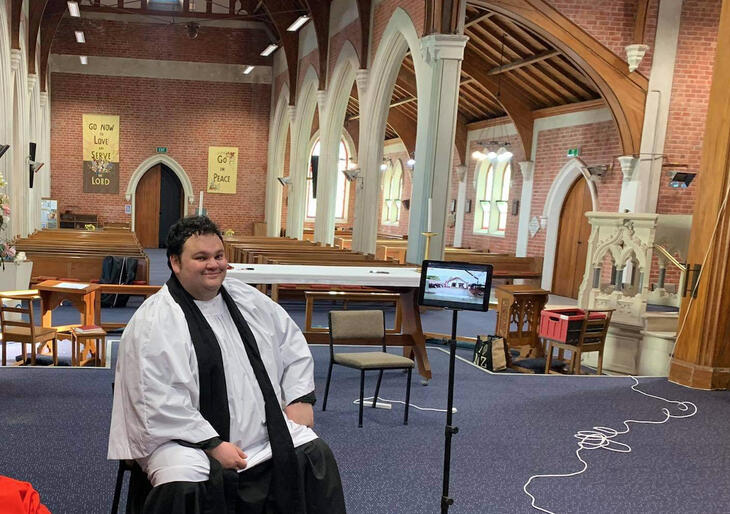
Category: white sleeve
[157,390]
[297,364]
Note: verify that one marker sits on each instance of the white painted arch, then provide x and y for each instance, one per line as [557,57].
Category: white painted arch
[332,125]
[275,165]
[570,172]
[399,37]
[145,165]
[298,158]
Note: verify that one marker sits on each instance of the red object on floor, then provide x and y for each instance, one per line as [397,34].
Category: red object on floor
[563,324]
[18,497]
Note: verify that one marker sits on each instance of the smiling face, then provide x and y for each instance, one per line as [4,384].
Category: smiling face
[202,265]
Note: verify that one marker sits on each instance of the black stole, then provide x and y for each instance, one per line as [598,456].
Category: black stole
[214,399]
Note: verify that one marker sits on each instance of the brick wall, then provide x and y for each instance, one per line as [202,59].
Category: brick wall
[494,244]
[185,116]
[384,11]
[161,41]
[599,144]
[350,33]
[690,96]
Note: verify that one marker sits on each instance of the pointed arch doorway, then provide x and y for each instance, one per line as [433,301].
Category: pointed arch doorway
[572,243]
[159,202]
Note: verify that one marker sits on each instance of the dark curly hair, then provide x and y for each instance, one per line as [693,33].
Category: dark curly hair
[184,229]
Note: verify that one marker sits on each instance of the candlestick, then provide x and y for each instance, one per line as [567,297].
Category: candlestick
[428,222]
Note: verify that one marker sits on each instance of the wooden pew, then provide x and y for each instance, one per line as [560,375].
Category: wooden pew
[78,254]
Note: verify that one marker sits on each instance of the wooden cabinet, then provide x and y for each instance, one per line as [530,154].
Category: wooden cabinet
[77,221]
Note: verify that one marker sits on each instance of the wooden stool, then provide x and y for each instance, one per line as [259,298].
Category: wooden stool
[92,344]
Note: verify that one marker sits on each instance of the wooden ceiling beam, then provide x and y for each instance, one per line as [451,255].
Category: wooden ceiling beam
[281,15]
[36,10]
[642,8]
[320,11]
[52,15]
[394,104]
[478,19]
[364,11]
[184,13]
[460,137]
[442,16]
[624,92]
[513,102]
[520,63]
[16,8]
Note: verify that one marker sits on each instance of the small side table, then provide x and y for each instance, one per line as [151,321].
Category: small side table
[88,347]
[518,316]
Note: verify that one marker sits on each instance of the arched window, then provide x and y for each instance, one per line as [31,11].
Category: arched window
[343,186]
[392,189]
[492,195]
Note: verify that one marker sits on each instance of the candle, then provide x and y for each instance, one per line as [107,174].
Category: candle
[428,220]
[200,205]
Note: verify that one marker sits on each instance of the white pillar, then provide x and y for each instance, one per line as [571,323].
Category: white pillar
[528,174]
[294,220]
[442,54]
[17,176]
[640,194]
[44,175]
[362,223]
[324,223]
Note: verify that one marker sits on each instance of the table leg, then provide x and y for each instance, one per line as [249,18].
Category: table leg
[412,327]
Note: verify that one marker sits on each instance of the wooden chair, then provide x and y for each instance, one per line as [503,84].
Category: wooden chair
[18,325]
[590,338]
[364,327]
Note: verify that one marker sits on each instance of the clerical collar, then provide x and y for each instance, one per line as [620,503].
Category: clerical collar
[212,306]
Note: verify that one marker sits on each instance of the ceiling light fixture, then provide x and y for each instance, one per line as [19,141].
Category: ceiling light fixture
[83,59]
[248,69]
[269,49]
[73,9]
[79,36]
[297,24]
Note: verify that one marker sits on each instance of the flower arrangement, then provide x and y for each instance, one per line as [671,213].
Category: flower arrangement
[7,247]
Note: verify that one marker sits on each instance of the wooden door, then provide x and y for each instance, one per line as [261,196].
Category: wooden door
[572,245]
[147,208]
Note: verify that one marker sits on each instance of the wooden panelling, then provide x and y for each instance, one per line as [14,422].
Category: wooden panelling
[702,354]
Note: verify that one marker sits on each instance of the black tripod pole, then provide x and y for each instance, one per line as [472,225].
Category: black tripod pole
[450,429]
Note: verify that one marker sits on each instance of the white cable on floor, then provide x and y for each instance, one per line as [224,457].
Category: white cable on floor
[411,404]
[602,438]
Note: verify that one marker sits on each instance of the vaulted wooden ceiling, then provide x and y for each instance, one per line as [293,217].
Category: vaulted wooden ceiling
[508,70]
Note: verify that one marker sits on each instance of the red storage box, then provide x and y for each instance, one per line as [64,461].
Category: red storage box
[563,324]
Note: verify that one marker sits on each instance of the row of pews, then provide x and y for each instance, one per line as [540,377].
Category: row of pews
[506,267]
[67,254]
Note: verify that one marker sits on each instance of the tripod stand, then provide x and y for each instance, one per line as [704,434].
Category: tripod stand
[450,430]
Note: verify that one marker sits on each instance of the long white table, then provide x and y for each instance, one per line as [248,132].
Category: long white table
[405,281]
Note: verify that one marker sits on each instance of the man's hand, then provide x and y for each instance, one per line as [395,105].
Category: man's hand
[229,455]
[301,413]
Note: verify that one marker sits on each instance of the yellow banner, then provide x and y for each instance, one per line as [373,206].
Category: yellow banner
[222,169]
[101,153]
[101,137]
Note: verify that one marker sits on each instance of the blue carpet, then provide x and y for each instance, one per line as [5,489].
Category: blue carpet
[510,428]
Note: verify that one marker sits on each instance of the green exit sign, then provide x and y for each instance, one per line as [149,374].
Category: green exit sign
[161,149]
[573,152]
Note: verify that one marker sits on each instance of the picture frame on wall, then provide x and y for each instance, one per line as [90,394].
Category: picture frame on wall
[467,207]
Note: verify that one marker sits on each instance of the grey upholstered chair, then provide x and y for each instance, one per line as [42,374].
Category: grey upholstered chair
[364,327]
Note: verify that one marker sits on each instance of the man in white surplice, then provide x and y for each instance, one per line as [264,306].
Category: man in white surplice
[158,417]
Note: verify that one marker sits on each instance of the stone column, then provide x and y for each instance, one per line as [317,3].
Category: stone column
[294,207]
[443,54]
[528,171]
[641,191]
[329,138]
[363,224]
